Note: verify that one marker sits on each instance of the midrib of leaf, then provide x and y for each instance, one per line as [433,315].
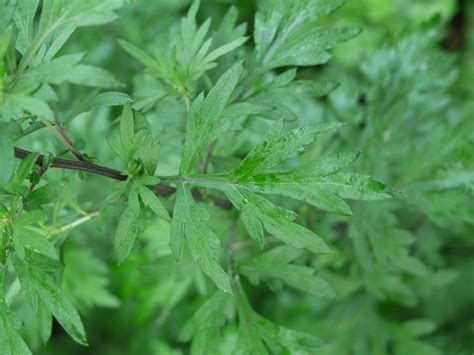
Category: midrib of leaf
[197,180]
[225,179]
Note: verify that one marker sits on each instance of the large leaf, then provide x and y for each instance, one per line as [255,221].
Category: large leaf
[189,225]
[205,115]
[46,287]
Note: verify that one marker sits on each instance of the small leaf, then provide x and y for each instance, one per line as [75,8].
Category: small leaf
[299,277]
[113,139]
[25,168]
[205,324]
[277,221]
[177,233]
[96,100]
[33,105]
[127,228]
[36,242]
[151,200]
[253,224]
[89,75]
[152,64]
[43,195]
[24,17]
[226,48]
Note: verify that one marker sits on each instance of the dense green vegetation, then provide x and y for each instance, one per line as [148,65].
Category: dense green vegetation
[248,177]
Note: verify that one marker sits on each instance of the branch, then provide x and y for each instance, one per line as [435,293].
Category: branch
[160,189]
[74,165]
[67,140]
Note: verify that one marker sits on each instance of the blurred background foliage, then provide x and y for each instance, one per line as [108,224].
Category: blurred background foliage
[404,267]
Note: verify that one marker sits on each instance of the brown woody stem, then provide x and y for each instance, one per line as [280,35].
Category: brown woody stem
[60,163]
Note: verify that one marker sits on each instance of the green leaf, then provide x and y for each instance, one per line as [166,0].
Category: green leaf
[45,320]
[23,18]
[178,223]
[89,75]
[287,33]
[311,48]
[58,22]
[188,224]
[127,128]
[86,283]
[53,72]
[4,43]
[153,64]
[254,329]
[113,139]
[277,221]
[205,116]
[32,105]
[267,266]
[23,171]
[226,48]
[149,153]
[7,153]
[278,337]
[187,57]
[252,223]
[53,297]
[11,342]
[96,100]
[34,241]
[7,10]
[151,200]
[292,91]
[206,322]
[43,195]
[319,184]
[135,132]
[127,228]
[110,98]
[278,147]
[149,150]
[248,342]
[67,68]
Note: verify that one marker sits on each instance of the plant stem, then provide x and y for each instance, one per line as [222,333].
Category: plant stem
[74,224]
[160,189]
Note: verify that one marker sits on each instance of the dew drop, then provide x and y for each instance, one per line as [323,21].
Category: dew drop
[301,150]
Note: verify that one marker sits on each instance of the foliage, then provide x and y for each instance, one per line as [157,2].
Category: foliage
[217,191]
